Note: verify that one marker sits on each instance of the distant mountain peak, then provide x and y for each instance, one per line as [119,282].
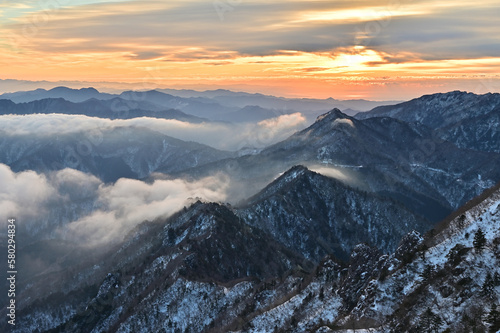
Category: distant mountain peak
[332,114]
[90,89]
[334,120]
[62,88]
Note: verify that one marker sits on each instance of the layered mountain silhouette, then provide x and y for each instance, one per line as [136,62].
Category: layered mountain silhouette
[114,108]
[221,105]
[386,221]
[69,94]
[110,153]
[408,163]
[206,270]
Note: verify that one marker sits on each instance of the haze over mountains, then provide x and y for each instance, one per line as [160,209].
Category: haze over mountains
[217,104]
[384,155]
[281,217]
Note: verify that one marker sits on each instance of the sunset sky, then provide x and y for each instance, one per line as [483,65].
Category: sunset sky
[389,49]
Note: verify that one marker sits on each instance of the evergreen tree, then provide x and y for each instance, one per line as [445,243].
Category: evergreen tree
[479,240]
[455,255]
[427,273]
[423,248]
[488,285]
[430,322]
[496,279]
[493,319]
[436,323]
[171,236]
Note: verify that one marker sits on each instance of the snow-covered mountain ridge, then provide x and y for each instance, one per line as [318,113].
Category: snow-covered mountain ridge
[336,230]
[469,120]
[445,282]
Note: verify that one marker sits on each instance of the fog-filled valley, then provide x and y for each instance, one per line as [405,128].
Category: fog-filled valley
[195,208]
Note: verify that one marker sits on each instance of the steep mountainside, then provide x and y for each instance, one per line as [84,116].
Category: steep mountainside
[444,282]
[438,110]
[195,271]
[204,270]
[480,133]
[430,176]
[450,280]
[316,215]
[339,233]
[469,120]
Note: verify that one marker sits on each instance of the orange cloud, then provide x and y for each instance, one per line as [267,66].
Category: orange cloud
[319,48]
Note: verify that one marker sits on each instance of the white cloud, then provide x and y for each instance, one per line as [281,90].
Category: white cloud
[129,202]
[280,127]
[104,213]
[264,28]
[23,195]
[82,208]
[331,172]
[344,121]
[348,175]
[217,135]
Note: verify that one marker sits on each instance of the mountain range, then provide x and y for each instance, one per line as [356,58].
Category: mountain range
[206,270]
[115,108]
[408,163]
[110,154]
[386,221]
[220,105]
[468,120]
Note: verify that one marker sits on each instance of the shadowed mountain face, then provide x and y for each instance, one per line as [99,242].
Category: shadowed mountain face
[206,270]
[438,110]
[110,154]
[316,215]
[161,261]
[468,120]
[288,257]
[408,163]
[408,157]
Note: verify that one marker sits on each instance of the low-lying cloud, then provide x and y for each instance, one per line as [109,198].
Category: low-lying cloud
[218,135]
[23,194]
[78,207]
[347,174]
[331,172]
[129,202]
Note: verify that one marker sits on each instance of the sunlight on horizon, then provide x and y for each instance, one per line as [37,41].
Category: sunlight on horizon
[321,49]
